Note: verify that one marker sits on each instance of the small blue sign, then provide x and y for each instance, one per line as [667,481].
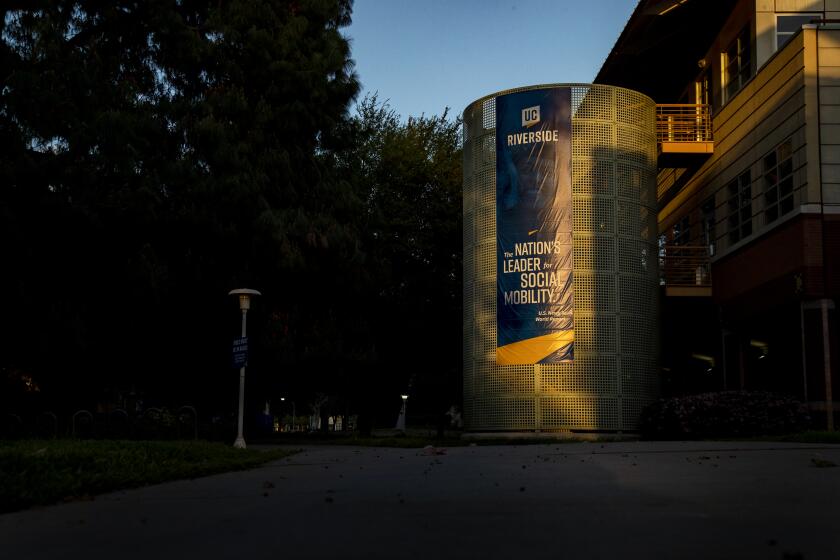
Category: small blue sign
[240,352]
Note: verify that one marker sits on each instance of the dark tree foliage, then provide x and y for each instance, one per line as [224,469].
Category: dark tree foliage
[155,155]
[409,175]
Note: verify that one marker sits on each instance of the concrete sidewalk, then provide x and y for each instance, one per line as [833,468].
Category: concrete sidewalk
[584,500]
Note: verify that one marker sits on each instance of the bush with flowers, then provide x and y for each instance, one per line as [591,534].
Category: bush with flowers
[723,414]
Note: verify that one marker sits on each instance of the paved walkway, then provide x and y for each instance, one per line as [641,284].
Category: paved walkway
[586,500]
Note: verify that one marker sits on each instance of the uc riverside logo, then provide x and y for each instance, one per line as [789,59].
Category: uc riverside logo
[530,116]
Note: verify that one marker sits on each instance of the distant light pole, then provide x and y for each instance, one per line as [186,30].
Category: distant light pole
[401,417]
[292,426]
[282,399]
[244,306]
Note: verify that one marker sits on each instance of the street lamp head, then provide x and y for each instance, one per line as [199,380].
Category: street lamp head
[244,297]
[404,397]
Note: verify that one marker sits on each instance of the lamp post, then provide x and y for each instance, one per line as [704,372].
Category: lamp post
[282,399]
[292,425]
[244,305]
[401,417]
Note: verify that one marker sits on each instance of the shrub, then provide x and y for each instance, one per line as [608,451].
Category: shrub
[725,414]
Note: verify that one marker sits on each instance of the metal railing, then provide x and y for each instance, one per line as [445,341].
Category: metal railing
[680,122]
[685,265]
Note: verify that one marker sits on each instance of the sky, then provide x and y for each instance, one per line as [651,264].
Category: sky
[423,56]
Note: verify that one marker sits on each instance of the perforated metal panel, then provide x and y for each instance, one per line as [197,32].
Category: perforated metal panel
[614,373]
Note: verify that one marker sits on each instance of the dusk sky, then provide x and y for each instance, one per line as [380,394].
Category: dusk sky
[426,55]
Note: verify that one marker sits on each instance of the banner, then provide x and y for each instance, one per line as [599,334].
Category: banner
[534,301]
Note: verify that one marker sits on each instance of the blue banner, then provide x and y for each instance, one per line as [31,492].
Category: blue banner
[534,301]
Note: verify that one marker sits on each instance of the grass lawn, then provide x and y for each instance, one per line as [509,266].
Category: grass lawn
[418,440]
[38,472]
[451,440]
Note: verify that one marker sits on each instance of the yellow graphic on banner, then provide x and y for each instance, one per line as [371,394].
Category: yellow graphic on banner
[532,350]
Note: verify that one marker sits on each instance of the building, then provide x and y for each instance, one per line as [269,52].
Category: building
[608,181]
[748,186]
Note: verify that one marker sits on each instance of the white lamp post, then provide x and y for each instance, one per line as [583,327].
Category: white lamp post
[401,417]
[244,306]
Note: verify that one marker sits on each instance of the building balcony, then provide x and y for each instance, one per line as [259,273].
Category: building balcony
[683,134]
[685,270]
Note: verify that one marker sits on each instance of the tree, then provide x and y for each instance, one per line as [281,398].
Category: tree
[158,154]
[409,175]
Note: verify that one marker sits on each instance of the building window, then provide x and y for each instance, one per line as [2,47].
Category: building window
[778,181]
[682,231]
[788,24]
[707,209]
[736,65]
[739,207]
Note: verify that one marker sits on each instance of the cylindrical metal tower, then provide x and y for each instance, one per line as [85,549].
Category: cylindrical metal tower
[615,273]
